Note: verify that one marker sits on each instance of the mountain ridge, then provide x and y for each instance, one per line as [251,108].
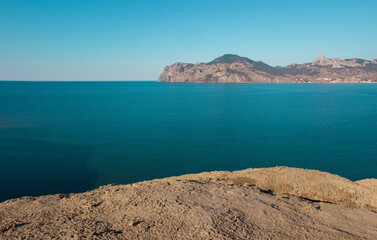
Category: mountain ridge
[231,68]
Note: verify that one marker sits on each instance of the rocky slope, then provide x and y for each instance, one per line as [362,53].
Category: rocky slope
[271,203]
[234,69]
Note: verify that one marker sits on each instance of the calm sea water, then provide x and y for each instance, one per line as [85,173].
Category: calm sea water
[60,137]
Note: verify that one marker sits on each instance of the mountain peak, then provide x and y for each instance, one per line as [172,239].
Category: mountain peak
[321,60]
[231,58]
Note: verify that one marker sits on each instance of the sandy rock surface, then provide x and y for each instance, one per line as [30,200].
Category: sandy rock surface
[270,203]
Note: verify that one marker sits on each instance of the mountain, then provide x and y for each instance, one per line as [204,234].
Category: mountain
[231,68]
[231,58]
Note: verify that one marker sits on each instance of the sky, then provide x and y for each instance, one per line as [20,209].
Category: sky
[134,40]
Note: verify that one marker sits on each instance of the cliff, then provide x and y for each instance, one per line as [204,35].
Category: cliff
[270,203]
[234,69]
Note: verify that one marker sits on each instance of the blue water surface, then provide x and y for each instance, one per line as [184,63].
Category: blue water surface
[60,137]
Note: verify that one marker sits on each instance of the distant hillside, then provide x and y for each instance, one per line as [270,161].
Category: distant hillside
[231,68]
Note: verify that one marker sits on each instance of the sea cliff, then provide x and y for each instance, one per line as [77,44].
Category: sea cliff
[270,203]
[235,69]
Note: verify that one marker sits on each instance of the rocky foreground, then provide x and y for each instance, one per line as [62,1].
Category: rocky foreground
[270,203]
[235,69]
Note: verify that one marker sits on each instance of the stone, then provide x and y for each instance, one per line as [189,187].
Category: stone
[267,203]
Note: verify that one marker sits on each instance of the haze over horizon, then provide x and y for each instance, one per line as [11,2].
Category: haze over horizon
[134,40]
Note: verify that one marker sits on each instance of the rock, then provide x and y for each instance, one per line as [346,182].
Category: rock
[370,183]
[321,60]
[339,63]
[235,69]
[269,203]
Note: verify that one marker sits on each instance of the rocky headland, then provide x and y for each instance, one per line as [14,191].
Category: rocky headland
[235,69]
[270,203]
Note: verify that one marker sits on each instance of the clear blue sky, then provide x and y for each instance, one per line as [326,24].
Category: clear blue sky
[134,40]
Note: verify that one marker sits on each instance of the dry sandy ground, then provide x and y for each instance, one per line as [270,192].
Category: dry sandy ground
[270,203]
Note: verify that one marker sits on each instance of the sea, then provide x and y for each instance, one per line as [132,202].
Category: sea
[64,137]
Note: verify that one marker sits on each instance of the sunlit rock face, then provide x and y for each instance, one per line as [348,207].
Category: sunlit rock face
[266,203]
[235,69]
[340,63]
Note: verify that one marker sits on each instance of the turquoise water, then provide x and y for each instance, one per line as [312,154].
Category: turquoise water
[59,137]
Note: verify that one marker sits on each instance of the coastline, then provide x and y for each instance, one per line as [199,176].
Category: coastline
[231,68]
